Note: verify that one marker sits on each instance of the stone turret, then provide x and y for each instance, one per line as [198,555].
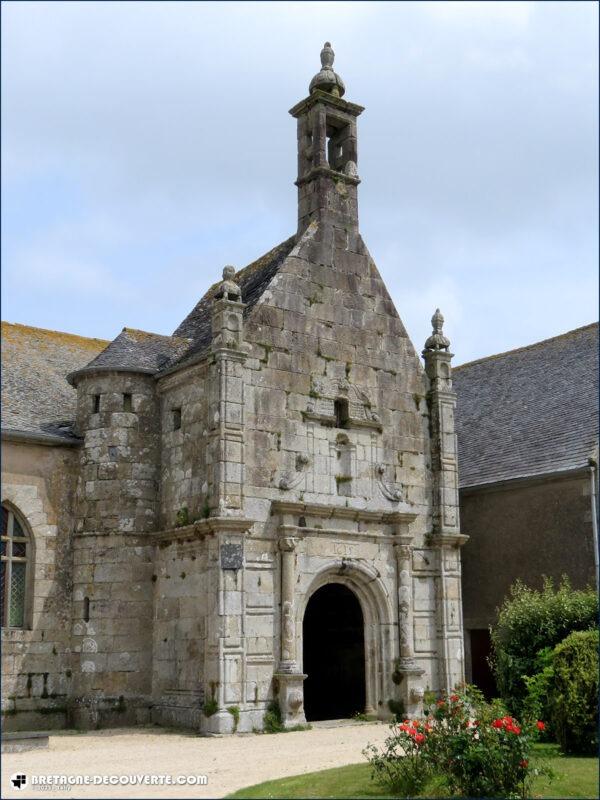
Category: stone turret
[446,537]
[118,420]
[327,155]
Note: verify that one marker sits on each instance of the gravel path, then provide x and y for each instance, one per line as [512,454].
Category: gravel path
[229,762]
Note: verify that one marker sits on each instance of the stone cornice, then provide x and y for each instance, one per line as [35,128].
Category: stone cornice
[89,372]
[316,172]
[281,507]
[299,533]
[204,527]
[319,96]
[447,539]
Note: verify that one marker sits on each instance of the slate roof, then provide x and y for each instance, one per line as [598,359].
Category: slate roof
[140,351]
[529,411]
[36,397]
[253,280]
[153,353]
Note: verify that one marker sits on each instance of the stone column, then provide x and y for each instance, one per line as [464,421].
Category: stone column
[288,663]
[446,537]
[289,679]
[406,672]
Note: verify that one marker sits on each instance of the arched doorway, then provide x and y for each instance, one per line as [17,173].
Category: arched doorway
[333,654]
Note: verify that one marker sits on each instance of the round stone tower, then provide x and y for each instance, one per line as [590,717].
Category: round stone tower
[118,420]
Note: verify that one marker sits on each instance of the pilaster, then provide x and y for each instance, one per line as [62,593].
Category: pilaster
[226,400]
[446,537]
[289,679]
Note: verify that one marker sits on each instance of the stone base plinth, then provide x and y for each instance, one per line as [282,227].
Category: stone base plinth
[290,693]
[410,686]
[218,724]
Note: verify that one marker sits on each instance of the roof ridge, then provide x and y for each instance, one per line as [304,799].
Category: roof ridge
[151,333]
[55,332]
[526,347]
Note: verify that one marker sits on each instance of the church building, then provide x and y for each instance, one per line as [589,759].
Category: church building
[260,509]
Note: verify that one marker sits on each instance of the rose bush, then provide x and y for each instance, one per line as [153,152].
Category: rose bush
[478,749]
[401,767]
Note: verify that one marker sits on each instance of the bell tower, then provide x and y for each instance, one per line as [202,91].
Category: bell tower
[327,152]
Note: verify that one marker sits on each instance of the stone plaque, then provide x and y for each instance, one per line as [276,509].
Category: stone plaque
[232,556]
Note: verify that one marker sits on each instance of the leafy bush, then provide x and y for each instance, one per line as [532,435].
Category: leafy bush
[476,748]
[272,722]
[529,621]
[538,701]
[480,750]
[210,707]
[574,705]
[235,713]
[401,768]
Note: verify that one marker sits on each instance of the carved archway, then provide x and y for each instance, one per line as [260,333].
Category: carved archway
[377,615]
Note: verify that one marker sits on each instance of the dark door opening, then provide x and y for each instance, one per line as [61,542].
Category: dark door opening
[334,654]
[482,676]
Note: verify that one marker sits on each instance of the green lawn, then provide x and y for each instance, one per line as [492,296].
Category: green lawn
[574,777]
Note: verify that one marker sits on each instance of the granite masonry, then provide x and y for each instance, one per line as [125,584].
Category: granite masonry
[284,446]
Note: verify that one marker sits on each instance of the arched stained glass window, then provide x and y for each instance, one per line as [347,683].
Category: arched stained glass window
[15,551]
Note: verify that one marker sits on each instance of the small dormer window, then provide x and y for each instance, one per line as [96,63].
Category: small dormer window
[176,412]
[341,412]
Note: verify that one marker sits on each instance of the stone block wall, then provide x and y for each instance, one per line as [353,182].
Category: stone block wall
[327,330]
[179,632]
[39,483]
[184,479]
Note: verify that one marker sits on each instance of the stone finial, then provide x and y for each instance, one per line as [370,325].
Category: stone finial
[327,80]
[437,340]
[229,288]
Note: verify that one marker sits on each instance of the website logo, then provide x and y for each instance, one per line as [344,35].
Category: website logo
[18,780]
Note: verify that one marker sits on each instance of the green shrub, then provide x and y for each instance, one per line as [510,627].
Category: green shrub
[397,709]
[574,705]
[537,702]
[210,707]
[529,621]
[401,767]
[272,722]
[235,713]
[473,746]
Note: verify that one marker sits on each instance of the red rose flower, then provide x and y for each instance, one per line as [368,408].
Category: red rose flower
[454,698]
[541,726]
[419,738]
[498,723]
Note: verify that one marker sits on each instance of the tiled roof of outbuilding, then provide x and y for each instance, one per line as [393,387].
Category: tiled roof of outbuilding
[36,397]
[529,411]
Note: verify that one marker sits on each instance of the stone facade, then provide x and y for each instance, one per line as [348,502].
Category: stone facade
[291,439]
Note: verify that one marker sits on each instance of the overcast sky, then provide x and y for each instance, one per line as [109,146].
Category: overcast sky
[145,145]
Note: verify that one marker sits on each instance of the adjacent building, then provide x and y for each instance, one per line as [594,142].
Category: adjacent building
[527,424]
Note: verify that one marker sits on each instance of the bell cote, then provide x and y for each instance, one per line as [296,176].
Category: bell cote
[327,151]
